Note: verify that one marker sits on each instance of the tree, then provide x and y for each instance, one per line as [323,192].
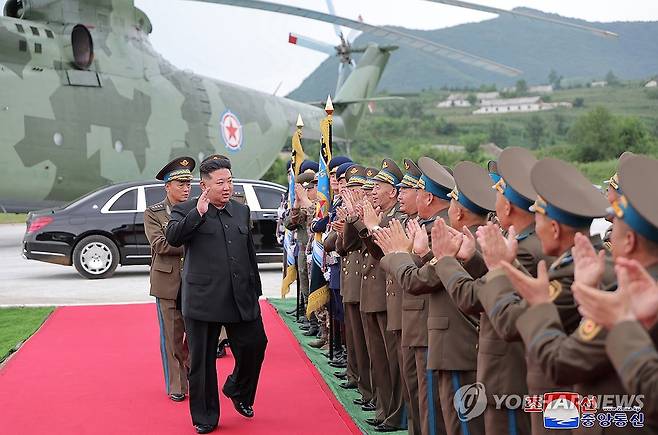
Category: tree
[535,129]
[612,79]
[521,87]
[596,133]
[633,136]
[555,79]
[579,102]
[472,99]
[498,133]
[472,142]
[561,127]
[415,109]
[395,109]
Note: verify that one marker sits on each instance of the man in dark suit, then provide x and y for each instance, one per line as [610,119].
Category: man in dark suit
[220,287]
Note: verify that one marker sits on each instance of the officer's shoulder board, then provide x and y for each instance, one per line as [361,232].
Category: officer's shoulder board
[157,207]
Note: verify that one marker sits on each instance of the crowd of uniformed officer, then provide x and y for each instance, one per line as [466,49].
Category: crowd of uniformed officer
[449,277]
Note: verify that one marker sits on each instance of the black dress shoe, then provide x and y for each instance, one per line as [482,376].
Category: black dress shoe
[359,401]
[373,422]
[221,351]
[369,407]
[338,364]
[242,408]
[177,397]
[305,326]
[348,385]
[385,428]
[204,428]
[341,375]
[311,332]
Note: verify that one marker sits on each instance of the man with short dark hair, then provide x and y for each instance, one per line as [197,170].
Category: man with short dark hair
[220,287]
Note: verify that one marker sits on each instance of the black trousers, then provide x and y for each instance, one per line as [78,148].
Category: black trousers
[248,342]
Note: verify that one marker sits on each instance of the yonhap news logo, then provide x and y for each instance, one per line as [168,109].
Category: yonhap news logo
[470,401]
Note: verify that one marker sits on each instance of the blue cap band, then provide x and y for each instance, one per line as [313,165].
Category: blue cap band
[624,210]
[563,217]
[512,195]
[495,177]
[463,200]
[435,189]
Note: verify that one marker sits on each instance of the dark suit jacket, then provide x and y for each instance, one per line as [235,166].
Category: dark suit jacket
[220,280]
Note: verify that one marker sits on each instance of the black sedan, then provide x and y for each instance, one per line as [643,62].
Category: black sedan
[105,228]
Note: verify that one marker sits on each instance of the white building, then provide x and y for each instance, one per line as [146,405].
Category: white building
[651,84]
[599,84]
[512,105]
[541,89]
[461,99]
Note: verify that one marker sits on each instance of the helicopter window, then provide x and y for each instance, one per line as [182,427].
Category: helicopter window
[37,47]
[20,28]
[49,34]
[22,45]
[83,47]
[35,31]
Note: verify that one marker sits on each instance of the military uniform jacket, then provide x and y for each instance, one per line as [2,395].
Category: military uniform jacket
[220,275]
[349,247]
[633,353]
[452,335]
[166,260]
[579,358]
[501,364]
[414,312]
[297,220]
[394,298]
[373,287]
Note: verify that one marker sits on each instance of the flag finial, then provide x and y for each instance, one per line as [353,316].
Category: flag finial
[329,107]
[300,123]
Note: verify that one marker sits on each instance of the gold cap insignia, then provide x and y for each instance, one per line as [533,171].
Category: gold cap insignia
[354,171]
[385,165]
[370,173]
[184,162]
[406,165]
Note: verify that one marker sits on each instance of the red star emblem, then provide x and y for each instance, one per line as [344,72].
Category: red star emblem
[231,129]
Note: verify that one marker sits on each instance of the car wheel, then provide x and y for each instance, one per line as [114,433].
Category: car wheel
[96,257]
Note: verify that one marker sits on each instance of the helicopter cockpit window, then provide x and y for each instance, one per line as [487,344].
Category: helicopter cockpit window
[83,47]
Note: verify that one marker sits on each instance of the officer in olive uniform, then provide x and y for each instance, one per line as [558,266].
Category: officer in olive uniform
[165,277]
[382,344]
[501,365]
[349,247]
[631,349]
[559,215]
[580,358]
[452,335]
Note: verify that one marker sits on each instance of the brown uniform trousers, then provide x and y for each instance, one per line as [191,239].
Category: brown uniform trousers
[452,338]
[383,344]
[504,307]
[298,221]
[349,247]
[166,263]
[633,353]
[501,365]
[579,358]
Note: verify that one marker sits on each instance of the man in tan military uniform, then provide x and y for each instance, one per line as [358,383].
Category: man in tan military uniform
[166,264]
[559,215]
[383,344]
[349,247]
[500,365]
[452,336]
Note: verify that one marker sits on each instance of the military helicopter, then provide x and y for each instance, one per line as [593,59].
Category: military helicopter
[85,100]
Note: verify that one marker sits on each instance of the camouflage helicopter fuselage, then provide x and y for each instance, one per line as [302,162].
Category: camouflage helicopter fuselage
[65,130]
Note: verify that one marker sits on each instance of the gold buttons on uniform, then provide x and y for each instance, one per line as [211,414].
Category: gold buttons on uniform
[365,277]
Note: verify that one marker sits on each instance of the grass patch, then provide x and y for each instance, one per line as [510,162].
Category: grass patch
[345,397]
[17,324]
[13,218]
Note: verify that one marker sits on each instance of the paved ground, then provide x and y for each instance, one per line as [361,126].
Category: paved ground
[29,282]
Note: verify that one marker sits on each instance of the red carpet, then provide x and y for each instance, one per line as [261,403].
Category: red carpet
[97,370]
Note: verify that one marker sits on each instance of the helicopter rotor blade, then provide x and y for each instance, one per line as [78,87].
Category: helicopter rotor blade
[313,44]
[383,32]
[332,11]
[483,8]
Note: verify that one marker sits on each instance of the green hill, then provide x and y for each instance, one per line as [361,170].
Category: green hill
[532,46]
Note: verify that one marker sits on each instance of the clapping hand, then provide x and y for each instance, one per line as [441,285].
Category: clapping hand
[202,203]
[533,290]
[421,243]
[495,247]
[301,197]
[338,226]
[444,242]
[384,240]
[371,218]
[636,297]
[589,265]
[401,243]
